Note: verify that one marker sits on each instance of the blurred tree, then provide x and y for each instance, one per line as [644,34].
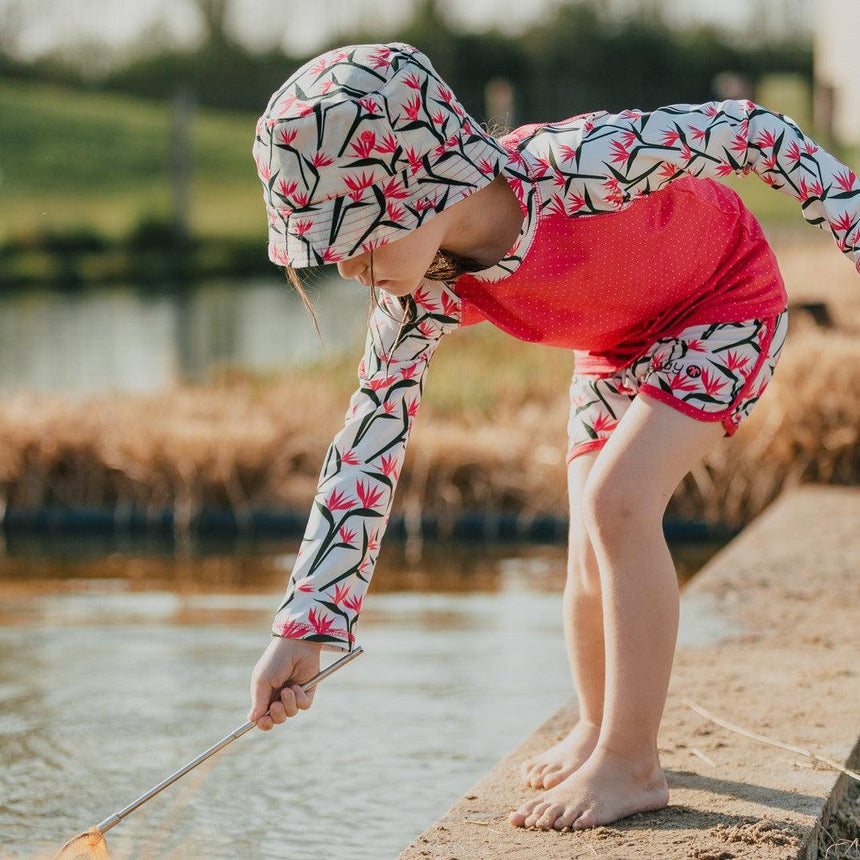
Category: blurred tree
[214,13]
[467,61]
[567,62]
[221,72]
[581,55]
[579,59]
[430,31]
[11,24]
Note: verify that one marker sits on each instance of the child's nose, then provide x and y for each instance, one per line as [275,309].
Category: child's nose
[351,268]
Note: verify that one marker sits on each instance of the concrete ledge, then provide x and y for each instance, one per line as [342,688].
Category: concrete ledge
[788,588]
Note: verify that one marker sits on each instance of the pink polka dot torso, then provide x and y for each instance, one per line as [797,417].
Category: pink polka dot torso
[608,285]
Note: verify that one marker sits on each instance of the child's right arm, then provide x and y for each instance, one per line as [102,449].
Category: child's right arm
[608,160]
[353,499]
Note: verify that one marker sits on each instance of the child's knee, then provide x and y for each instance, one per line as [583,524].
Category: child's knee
[615,507]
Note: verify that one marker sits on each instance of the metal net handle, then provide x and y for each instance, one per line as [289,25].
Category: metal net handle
[115,819]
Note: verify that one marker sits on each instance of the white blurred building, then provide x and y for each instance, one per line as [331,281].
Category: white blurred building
[837,69]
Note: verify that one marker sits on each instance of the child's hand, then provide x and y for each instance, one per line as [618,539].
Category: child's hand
[284,660]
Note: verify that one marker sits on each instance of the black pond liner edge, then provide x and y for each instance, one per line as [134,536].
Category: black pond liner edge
[486,526]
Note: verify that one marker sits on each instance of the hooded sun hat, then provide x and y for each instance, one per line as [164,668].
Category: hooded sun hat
[360,146]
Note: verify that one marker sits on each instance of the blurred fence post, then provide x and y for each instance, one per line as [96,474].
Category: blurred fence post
[499,103]
[180,165]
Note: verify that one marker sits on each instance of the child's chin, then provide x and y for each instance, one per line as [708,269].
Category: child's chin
[396,288]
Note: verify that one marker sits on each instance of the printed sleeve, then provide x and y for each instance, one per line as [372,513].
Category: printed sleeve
[356,486]
[607,160]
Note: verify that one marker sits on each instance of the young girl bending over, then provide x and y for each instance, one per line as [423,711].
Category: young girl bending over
[604,234]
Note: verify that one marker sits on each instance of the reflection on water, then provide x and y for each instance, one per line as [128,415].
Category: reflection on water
[137,339]
[116,669]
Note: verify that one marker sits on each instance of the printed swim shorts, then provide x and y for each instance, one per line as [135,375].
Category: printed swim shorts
[712,372]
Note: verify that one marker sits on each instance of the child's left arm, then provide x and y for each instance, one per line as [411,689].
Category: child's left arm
[626,155]
[360,471]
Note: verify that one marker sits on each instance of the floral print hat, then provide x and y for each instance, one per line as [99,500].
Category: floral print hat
[360,146]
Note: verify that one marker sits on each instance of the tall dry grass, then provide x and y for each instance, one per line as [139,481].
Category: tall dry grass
[495,443]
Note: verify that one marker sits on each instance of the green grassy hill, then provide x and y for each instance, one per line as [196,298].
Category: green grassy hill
[72,160]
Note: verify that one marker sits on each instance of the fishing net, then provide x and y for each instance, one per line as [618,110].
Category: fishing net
[91,844]
[87,846]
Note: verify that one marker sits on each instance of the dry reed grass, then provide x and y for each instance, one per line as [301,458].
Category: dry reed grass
[496,444]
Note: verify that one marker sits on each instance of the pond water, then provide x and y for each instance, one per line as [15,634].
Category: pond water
[144,339]
[118,666]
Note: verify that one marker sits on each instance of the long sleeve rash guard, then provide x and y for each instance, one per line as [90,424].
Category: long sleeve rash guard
[582,167]
[360,470]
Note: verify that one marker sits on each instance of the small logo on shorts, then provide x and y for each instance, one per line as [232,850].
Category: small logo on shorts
[694,370]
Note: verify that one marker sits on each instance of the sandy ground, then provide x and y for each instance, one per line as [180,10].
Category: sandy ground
[788,589]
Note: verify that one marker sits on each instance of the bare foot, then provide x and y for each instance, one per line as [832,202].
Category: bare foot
[560,761]
[607,787]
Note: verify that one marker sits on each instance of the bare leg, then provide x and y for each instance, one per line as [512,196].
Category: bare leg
[583,634]
[631,482]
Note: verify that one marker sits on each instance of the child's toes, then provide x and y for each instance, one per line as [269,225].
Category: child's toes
[549,816]
[540,778]
[587,818]
[567,817]
[536,813]
[527,771]
[519,817]
[552,776]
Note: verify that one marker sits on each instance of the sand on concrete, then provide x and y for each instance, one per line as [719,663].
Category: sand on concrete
[788,589]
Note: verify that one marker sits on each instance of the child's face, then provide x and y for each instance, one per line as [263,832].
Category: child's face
[398,266]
